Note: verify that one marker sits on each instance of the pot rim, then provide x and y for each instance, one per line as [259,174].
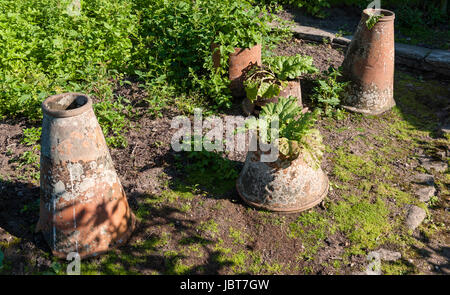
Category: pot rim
[238,50]
[285,209]
[216,45]
[64,113]
[388,15]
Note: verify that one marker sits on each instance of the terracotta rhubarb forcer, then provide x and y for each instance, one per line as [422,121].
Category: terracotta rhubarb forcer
[83,206]
[283,185]
[292,89]
[238,61]
[369,65]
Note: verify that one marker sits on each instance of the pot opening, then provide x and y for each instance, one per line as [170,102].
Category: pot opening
[69,101]
[387,14]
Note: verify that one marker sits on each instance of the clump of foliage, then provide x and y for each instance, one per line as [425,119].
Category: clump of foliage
[296,134]
[261,83]
[315,8]
[31,136]
[329,90]
[267,82]
[46,48]
[43,49]
[238,24]
[291,67]
[373,20]
[207,162]
[182,55]
[208,169]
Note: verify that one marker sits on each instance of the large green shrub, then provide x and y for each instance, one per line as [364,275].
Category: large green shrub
[43,49]
[176,38]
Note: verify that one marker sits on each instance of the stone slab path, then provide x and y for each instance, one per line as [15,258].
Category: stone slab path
[420,58]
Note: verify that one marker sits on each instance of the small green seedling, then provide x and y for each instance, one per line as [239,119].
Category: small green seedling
[373,20]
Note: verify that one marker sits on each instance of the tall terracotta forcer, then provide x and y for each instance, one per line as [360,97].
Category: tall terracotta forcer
[369,64]
[238,61]
[83,205]
[283,185]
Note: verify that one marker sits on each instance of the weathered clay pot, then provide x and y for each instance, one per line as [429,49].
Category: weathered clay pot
[83,205]
[283,185]
[369,64]
[292,89]
[238,61]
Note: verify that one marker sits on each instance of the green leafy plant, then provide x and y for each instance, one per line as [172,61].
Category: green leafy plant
[266,83]
[31,136]
[261,83]
[315,8]
[210,162]
[373,20]
[296,134]
[112,116]
[328,91]
[238,24]
[291,67]
[44,50]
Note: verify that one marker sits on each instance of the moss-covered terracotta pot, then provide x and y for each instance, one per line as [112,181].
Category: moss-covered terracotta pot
[369,65]
[283,185]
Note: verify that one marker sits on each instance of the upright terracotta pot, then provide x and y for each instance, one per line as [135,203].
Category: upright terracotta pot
[369,64]
[292,89]
[283,185]
[238,61]
[83,205]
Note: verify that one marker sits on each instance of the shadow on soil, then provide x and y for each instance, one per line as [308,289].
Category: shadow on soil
[19,213]
[152,250]
[425,104]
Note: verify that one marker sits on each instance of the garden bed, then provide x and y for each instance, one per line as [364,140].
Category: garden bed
[198,225]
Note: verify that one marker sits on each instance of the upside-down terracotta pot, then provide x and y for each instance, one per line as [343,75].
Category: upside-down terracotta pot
[283,185]
[83,206]
[369,65]
[238,61]
[292,89]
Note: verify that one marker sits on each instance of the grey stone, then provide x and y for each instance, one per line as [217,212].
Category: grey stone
[312,34]
[344,40]
[429,164]
[387,255]
[412,56]
[415,217]
[440,60]
[411,52]
[427,179]
[425,193]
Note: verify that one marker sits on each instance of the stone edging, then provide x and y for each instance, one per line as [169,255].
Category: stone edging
[420,58]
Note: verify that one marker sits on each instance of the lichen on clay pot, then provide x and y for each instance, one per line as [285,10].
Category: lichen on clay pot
[369,64]
[294,180]
[279,77]
[83,206]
